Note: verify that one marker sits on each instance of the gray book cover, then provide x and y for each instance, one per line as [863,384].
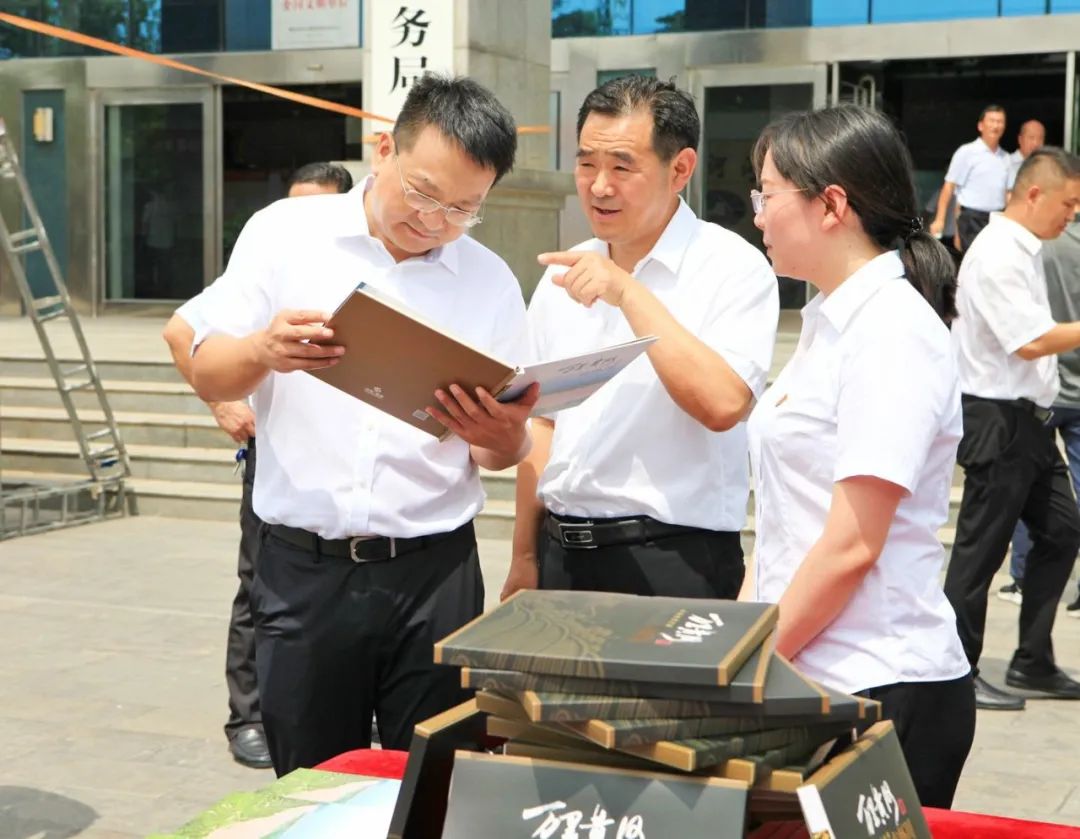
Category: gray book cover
[700,753]
[613,636]
[787,693]
[748,685]
[866,790]
[553,798]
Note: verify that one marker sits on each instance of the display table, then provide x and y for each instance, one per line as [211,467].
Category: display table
[945,824]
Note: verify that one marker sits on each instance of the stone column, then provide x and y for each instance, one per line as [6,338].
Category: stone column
[505,45]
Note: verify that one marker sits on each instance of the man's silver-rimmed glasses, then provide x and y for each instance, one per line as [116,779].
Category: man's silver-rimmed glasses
[757,198]
[426,204]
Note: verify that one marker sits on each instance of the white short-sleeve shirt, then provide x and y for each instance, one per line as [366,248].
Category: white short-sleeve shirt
[1002,305]
[329,463]
[981,175]
[870,391]
[191,314]
[629,450]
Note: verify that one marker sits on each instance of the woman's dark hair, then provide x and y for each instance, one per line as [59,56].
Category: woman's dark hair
[324,174]
[859,150]
[466,113]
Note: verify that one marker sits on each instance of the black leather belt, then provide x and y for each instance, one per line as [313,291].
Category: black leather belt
[583,534]
[358,548]
[1040,413]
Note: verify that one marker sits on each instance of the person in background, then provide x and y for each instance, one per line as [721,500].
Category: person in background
[1061,263]
[1032,136]
[643,489]
[369,552]
[853,446]
[244,728]
[978,174]
[1007,343]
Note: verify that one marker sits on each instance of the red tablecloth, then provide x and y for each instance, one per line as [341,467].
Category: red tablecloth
[944,824]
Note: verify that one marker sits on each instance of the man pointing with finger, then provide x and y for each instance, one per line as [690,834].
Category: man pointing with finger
[368,555]
[643,488]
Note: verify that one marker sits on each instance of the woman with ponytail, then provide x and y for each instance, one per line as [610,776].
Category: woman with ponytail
[853,447]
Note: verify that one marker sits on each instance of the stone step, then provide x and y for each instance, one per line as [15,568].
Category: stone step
[167,463]
[135,426]
[124,395]
[217,464]
[123,370]
[205,500]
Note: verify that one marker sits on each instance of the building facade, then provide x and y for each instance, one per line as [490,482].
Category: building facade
[150,172]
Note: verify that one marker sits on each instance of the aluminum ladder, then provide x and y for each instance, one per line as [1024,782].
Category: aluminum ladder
[35,506]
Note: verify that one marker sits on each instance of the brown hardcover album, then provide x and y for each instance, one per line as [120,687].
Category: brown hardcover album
[395,360]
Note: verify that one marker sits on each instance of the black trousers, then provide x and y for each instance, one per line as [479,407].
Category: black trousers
[240,677]
[969,224]
[1013,472]
[338,641]
[935,723]
[704,563]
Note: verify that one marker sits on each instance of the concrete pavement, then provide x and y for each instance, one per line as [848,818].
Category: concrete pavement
[112,694]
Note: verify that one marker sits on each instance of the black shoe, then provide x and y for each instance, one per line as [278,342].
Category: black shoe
[990,698]
[1073,609]
[1056,685]
[249,748]
[1011,593]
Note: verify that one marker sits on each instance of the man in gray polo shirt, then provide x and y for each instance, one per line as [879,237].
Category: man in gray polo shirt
[978,174]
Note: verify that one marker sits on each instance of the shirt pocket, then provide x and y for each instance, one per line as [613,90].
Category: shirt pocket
[804,433]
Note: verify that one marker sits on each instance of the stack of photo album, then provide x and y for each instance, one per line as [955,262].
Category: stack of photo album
[646,716]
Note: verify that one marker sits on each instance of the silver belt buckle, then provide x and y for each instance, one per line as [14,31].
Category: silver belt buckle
[355,540]
[576,535]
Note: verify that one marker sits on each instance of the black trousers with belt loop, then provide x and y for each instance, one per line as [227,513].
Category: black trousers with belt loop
[339,640]
[654,559]
[1013,471]
[969,223]
[240,674]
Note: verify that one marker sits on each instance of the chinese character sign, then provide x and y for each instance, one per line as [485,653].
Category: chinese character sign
[406,40]
[314,24]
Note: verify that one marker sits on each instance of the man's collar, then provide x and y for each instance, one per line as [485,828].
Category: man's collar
[354,223]
[1031,243]
[840,306]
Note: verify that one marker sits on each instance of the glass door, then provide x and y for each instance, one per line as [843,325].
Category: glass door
[159,218]
[737,103]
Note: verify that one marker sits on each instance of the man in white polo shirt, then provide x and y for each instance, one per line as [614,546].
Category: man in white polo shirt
[244,728]
[644,487]
[1007,344]
[978,174]
[368,555]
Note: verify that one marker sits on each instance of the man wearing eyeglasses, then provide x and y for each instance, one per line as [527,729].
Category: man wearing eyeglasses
[368,555]
[644,487]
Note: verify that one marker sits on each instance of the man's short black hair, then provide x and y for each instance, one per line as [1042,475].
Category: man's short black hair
[676,125]
[324,174]
[991,109]
[466,113]
[1046,167]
